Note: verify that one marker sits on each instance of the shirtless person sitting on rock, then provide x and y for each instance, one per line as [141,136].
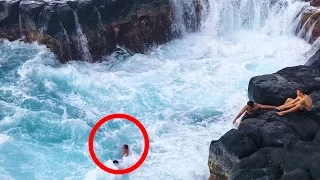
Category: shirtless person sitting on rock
[301,102]
[251,110]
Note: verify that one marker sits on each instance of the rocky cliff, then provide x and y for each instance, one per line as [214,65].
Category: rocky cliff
[309,21]
[272,146]
[89,29]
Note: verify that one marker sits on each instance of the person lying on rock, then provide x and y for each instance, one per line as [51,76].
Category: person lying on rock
[252,111]
[301,102]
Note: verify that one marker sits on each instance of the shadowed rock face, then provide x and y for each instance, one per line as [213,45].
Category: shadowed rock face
[272,146]
[89,29]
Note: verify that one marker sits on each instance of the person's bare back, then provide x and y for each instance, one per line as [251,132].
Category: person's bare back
[306,102]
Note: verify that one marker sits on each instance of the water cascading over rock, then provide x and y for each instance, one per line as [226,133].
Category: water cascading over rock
[88,30]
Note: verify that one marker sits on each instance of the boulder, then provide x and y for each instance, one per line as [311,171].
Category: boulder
[9,12]
[314,60]
[297,174]
[299,154]
[29,12]
[263,164]
[251,128]
[315,169]
[274,89]
[271,133]
[309,77]
[303,125]
[271,89]
[275,134]
[227,151]
[317,138]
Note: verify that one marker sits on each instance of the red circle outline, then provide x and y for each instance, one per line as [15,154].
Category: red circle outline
[145,137]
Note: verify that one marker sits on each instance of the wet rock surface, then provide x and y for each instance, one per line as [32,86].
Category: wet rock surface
[87,30]
[314,60]
[309,23]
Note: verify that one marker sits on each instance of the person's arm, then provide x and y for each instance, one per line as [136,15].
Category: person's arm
[266,106]
[240,113]
[300,101]
[295,100]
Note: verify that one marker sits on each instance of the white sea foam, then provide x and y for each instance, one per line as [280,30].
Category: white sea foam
[185,93]
[4,138]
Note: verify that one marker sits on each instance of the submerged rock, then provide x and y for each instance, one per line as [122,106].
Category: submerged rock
[285,147]
[90,29]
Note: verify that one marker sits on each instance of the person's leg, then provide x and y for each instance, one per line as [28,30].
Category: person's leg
[286,105]
[288,100]
[293,109]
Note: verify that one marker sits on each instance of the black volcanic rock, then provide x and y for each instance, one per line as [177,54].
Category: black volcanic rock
[227,152]
[9,12]
[30,11]
[314,60]
[90,29]
[251,128]
[301,124]
[275,88]
[299,154]
[275,133]
[271,89]
[315,169]
[297,174]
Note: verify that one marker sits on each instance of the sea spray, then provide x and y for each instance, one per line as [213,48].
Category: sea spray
[185,93]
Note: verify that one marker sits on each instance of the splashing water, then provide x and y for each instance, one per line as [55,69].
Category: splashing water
[83,42]
[185,93]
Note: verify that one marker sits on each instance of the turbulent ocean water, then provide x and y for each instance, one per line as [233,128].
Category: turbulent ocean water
[185,93]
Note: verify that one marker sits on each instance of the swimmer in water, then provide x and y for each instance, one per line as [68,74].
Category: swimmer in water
[125,150]
[116,163]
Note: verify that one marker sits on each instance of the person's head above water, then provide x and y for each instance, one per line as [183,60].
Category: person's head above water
[115,162]
[125,150]
[250,103]
[126,147]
